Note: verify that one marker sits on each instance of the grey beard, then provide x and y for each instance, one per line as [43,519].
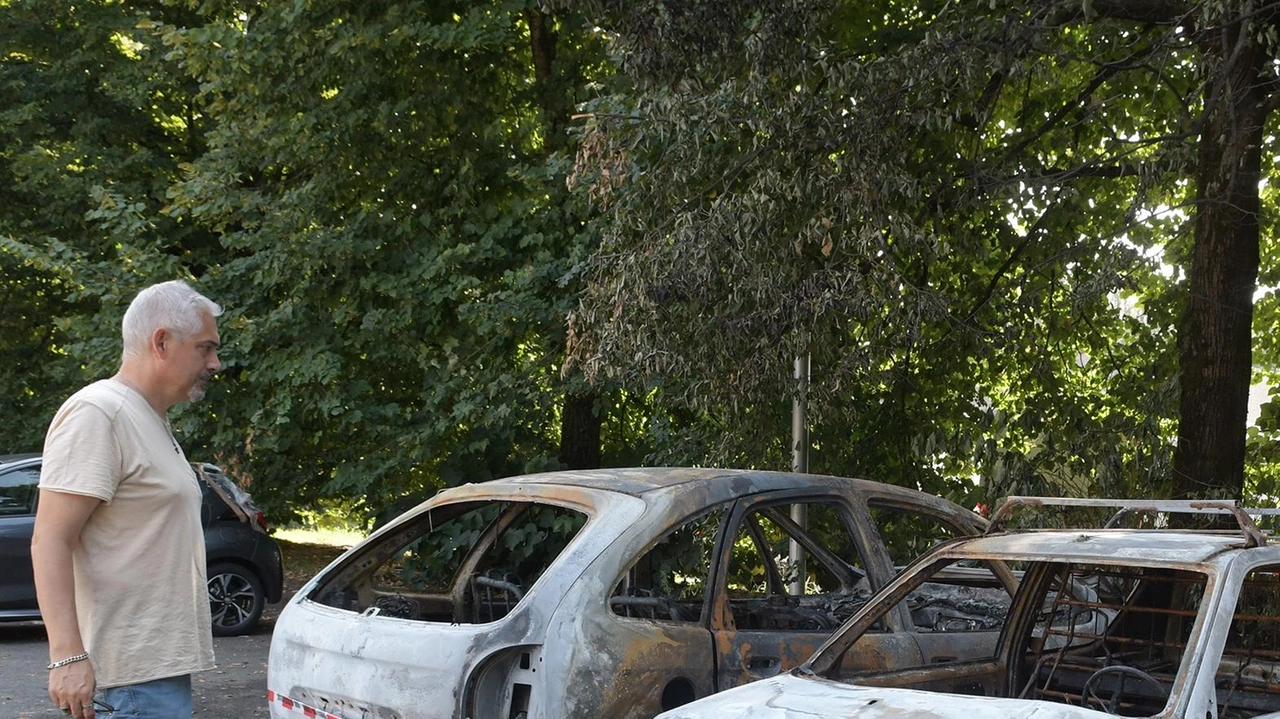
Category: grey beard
[199,389]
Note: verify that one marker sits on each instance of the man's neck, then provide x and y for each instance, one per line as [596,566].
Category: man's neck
[137,381]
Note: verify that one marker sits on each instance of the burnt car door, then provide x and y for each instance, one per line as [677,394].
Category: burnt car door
[798,566]
[660,653]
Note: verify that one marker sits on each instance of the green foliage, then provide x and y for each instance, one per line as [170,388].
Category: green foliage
[29,356]
[960,211]
[400,246]
[92,130]
[431,561]
[973,217]
[823,522]
[371,193]
[1262,482]
[520,554]
[341,516]
[678,565]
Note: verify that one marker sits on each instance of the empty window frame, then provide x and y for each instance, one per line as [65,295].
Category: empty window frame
[465,563]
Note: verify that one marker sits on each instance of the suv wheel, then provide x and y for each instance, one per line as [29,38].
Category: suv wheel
[236,599]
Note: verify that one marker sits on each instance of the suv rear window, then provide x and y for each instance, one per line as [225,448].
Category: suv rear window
[464,563]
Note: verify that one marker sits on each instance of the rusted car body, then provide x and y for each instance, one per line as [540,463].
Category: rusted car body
[1176,624]
[609,593]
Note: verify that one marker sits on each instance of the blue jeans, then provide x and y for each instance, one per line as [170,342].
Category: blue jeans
[158,699]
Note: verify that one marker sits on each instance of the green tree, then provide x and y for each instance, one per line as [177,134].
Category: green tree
[400,249]
[963,211]
[93,128]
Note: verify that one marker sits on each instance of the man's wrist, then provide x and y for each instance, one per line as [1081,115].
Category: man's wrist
[69,660]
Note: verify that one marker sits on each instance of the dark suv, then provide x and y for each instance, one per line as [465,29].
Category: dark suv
[244,567]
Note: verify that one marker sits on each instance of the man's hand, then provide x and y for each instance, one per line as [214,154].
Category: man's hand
[71,688]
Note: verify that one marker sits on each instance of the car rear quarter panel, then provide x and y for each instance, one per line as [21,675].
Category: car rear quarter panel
[621,667]
[626,668]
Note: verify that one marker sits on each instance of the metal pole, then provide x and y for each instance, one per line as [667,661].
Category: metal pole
[799,463]
[799,420]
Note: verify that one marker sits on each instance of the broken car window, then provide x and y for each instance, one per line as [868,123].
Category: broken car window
[952,609]
[785,576]
[1109,637]
[908,533]
[1248,677]
[465,563]
[669,582]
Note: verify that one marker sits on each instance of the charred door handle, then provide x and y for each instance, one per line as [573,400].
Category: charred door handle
[763,664]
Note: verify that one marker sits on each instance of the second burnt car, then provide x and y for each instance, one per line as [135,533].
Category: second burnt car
[608,593]
[1107,621]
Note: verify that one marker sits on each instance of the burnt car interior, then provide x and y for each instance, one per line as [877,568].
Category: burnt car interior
[465,563]
[762,583]
[1126,664]
[668,582]
[1113,638]
[767,589]
[764,591]
[1130,667]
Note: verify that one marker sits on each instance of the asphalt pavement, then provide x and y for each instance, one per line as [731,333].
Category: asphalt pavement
[236,689]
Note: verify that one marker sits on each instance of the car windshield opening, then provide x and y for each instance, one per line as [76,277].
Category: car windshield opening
[1108,637]
[464,563]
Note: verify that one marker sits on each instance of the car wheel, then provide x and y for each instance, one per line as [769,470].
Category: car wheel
[236,599]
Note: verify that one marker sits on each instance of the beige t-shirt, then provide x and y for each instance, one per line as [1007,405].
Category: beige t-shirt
[141,594]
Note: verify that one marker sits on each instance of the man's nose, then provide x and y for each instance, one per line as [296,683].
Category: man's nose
[215,364]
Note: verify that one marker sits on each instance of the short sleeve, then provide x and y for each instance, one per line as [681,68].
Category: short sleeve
[81,452]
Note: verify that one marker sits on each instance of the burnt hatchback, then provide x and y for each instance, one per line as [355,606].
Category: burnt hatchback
[616,593]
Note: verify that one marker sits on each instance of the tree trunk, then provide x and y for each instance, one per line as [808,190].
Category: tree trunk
[579,422]
[1216,335]
[580,432]
[555,107]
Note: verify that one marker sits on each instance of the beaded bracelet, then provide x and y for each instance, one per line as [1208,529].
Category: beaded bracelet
[69,660]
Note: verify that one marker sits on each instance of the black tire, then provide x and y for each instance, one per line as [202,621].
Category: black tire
[236,599]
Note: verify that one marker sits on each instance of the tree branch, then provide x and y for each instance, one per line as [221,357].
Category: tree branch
[1153,11]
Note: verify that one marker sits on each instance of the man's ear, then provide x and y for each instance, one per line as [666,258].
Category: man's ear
[161,339]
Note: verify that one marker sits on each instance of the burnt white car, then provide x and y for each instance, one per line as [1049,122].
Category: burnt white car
[609,593]
[1157,622]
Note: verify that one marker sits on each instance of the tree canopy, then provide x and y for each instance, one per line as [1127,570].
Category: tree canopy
[1003,231]
[473,238]
[92,133]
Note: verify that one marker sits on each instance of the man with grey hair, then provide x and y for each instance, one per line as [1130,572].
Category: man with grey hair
[118,549]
